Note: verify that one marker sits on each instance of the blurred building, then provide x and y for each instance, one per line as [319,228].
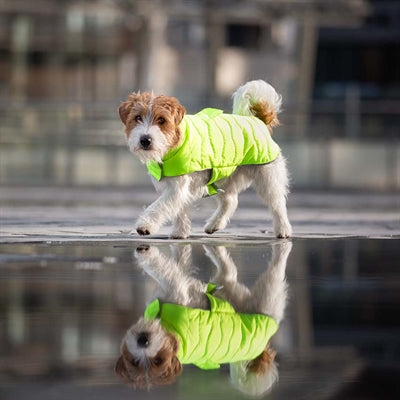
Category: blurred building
[66,64]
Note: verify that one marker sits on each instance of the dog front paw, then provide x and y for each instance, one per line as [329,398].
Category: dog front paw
[284,232]
[142,231]
[215,224]
[211,228]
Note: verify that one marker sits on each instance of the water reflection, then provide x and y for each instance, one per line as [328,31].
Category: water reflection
[191,321]
[64,309]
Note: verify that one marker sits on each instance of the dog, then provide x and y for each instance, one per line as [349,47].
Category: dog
[193,156]
[150,349]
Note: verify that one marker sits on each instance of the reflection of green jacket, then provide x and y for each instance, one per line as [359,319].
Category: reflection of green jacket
[209,338]
[217,141]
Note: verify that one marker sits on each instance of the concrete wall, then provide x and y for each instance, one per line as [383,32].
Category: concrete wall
[330,164]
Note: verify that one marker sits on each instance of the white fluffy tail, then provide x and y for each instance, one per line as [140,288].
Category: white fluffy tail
[251,383]
[259,99]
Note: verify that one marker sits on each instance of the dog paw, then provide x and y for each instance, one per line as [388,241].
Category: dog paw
[284,232]
[282,235]
[174,236]
[142,231]
[144,248]
[215,224]
[211,228]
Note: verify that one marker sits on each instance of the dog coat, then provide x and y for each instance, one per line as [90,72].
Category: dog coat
[217,141]
[212,337]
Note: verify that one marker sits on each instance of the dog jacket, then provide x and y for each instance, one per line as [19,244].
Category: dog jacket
[217,141]
[212,337]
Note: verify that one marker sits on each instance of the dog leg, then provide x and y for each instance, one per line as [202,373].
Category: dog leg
[227,204]
[175,284]
[225,278]
[183,256]
[269,293]
[182,225]
[173,199]
[165,271]
[226,268]
[272,185]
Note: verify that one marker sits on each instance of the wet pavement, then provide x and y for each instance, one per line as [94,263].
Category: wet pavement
[71,285]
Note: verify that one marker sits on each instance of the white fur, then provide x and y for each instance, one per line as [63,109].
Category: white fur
[178,193]
[253,92]
[131,337]
[177,285]
[253,384]
[159,144]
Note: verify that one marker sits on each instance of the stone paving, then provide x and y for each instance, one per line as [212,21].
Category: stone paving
[63,214]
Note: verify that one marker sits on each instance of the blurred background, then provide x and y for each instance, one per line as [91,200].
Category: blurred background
[65,66]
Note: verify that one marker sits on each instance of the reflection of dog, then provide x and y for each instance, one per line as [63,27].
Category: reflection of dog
[190,156]
[154,348]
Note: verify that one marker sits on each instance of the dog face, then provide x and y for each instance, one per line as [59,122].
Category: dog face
[151,124]
[148,356]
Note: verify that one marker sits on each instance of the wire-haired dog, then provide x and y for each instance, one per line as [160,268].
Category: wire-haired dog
[192,156]
[173,331]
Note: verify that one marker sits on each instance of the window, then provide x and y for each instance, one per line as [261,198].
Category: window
[245,36]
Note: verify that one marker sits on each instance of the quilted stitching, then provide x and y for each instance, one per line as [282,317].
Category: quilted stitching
[220,142]
[211,337]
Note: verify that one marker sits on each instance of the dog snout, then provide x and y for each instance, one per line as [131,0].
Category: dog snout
[143,340]
[145,141]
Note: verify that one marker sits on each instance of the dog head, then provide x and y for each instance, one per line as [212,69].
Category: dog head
[151,124]
[148,356]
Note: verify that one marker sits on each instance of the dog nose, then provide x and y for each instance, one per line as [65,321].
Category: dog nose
[145,141]
[143,340]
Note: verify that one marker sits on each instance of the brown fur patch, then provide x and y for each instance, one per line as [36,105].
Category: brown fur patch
[260,364]
[263,111]
[162,369]
[166,112]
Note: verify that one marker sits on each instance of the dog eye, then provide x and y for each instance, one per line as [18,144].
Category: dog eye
[138,118]
[158,361]
[161,121]
[135,362]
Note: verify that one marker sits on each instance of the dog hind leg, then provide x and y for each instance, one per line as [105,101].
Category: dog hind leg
[269,294]
[272,185]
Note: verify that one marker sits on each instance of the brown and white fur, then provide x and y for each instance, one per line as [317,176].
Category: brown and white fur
[148,351]
[152,129]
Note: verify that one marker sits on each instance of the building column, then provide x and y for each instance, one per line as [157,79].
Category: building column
[152,42]
[307,60]
[19,65]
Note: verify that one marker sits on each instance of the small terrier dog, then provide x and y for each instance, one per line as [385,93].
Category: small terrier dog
[150,348]
[190,157]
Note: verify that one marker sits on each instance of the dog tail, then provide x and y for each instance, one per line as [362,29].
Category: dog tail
[255,380]
[258,99]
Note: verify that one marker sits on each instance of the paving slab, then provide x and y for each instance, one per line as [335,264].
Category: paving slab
[71,285]
[108,214]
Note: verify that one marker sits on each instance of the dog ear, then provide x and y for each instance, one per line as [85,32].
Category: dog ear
[124,110]
[180,113]
[174,107]
[120,368]
[173,343]
[170,373]
[176,366]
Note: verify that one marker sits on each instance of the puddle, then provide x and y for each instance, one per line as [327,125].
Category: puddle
[64,309]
